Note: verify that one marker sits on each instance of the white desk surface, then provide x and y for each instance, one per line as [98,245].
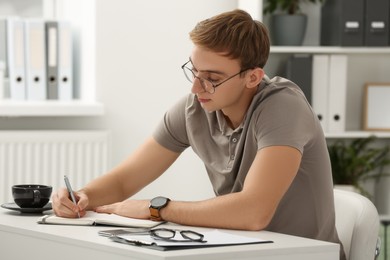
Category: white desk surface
[22,238]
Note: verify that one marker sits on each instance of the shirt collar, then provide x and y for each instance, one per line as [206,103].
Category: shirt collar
[224,127]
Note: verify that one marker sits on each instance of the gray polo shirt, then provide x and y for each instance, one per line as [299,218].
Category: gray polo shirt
[279,114]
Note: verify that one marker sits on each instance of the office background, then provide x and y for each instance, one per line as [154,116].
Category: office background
[140,47]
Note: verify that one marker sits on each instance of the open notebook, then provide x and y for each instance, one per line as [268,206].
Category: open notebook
[94,218]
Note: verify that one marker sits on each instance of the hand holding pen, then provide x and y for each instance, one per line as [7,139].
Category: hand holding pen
[70,190]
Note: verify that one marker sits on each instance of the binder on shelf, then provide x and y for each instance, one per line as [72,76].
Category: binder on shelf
[65,61]
[337,92]
[59,60]
[2,72]
[299,67]
[377,23]
[12,52]
[320,86]
[51,29]
[35,59]
[342,23]
[3,58]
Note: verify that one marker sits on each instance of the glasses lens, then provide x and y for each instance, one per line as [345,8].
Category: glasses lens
[163,233]
[206,84]
[189,74]
[188,234]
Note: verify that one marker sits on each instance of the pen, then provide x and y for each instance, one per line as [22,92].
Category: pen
[67,183]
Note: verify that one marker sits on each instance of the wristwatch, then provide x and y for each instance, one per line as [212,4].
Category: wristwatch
[156,205]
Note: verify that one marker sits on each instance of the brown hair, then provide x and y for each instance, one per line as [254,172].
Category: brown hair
[237,35]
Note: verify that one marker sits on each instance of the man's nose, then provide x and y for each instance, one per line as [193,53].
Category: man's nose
[197,86]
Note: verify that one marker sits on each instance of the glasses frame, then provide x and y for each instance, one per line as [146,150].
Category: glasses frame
[183,233]
[202,80]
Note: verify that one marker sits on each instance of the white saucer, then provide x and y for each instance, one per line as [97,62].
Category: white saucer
[13,206]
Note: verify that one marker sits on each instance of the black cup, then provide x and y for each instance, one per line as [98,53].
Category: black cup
[31,195]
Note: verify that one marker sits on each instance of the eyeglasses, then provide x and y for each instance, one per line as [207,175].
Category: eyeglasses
[208,85]
[169,234]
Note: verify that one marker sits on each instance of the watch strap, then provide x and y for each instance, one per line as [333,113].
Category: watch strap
[155,210]
[155,214]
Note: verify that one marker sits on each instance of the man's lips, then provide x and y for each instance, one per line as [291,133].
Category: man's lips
[203,100]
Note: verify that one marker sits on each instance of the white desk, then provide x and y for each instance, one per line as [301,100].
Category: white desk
[21,237]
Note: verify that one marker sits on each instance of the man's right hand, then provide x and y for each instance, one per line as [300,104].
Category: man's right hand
[63,206]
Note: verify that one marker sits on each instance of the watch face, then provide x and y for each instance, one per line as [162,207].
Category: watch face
[159,202]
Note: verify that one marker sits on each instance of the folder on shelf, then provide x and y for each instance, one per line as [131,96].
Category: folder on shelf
[299,67]
[342,23]
[337,92]
[35,59]
[12,52]
[65,61]
[3,57]
[2,87]
[52,59]
[59,60]
[377,23]
[320,86]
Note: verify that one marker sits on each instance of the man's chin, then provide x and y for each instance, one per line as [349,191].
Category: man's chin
[208,109]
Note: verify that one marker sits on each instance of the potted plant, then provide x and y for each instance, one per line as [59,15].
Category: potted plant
[288,24]
[356,161]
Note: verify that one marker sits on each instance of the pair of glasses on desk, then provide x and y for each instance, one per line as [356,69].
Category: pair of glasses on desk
[160,234]
[169,235]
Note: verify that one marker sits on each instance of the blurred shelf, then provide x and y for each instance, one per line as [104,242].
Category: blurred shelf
[10,108]
[330,49]
[357,134]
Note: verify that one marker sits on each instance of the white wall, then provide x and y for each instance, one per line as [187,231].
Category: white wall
[140,47]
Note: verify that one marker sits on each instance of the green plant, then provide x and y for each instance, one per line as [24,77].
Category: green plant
[356,161]
[287,6]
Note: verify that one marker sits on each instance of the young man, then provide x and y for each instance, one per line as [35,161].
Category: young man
[261,143]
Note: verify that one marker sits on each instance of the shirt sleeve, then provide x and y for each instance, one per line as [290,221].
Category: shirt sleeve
[286,119]
[171,130]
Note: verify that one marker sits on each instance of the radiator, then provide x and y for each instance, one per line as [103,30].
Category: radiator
[44,157]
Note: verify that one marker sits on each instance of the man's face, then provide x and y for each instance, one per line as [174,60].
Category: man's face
[216,68]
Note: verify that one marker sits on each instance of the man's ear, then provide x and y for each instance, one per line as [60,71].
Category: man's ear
[255,77]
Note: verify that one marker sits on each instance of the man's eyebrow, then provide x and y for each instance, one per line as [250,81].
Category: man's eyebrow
[208,71]
[214,72]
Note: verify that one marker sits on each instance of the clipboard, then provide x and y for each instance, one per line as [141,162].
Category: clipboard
[213,238]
